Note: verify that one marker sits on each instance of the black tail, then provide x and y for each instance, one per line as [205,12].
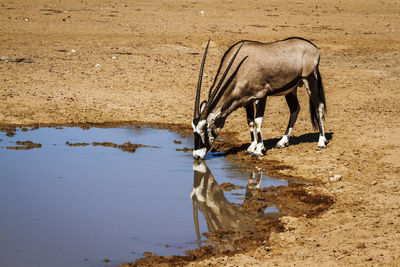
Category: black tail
[321,99]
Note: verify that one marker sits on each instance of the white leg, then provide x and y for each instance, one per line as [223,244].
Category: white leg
[260,149]
[285,139]
[322,139]
[252,147]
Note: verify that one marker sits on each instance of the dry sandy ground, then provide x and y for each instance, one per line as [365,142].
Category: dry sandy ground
[113,61]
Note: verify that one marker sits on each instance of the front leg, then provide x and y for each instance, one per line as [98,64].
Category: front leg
[250,122]
[260,108]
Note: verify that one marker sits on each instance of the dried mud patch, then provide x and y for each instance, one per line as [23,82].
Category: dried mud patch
[229,187]
[25,145]
[127,146]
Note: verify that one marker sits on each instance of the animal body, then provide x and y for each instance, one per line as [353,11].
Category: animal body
[249,72]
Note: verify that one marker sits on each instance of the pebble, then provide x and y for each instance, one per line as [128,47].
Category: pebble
[335,178]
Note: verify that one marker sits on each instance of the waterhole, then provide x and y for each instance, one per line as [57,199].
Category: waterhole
[103,196]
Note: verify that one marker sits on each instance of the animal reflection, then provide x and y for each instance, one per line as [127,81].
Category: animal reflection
[220,214]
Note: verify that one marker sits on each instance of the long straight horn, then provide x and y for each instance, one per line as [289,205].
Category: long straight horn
[197,101]
[214,93]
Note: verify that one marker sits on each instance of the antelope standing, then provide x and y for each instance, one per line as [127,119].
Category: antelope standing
[254,71]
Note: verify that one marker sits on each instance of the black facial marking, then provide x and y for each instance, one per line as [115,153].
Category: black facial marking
[197,141]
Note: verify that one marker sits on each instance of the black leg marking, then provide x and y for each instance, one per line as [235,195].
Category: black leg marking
[250,123]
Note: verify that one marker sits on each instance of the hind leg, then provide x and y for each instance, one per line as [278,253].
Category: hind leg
[293,103]
[317,106]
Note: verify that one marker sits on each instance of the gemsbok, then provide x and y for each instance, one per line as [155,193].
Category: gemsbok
[251,72]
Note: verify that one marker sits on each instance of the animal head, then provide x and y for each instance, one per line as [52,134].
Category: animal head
[201,141]
[205,134]
[204,128]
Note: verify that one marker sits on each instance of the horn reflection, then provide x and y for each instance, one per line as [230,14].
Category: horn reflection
[221,214]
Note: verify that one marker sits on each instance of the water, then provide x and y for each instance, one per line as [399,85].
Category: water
[76,206]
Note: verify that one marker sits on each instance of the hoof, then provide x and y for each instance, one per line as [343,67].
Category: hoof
[249,153]
[257,155]
[281,146]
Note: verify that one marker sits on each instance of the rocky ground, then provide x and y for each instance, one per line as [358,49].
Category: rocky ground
[100,61]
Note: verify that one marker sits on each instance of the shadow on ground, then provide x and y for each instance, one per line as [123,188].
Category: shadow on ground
[270,143]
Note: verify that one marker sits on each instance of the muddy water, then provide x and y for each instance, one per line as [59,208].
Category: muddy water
[77,204]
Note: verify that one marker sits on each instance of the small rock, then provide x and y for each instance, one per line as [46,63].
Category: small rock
[149,254]
[335,178]
[73,51]
[289,222]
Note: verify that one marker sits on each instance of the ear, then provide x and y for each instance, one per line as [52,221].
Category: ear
[203,105]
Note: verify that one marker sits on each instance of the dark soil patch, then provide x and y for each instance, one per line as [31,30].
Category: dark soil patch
[229,187]
[25,145]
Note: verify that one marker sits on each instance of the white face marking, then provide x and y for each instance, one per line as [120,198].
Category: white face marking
[200,153]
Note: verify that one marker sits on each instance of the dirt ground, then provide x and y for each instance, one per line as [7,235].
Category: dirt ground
[102,61]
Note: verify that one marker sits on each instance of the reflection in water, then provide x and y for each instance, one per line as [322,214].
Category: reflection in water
[220,214]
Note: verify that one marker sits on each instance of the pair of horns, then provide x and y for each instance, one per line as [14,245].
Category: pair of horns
[203,115]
